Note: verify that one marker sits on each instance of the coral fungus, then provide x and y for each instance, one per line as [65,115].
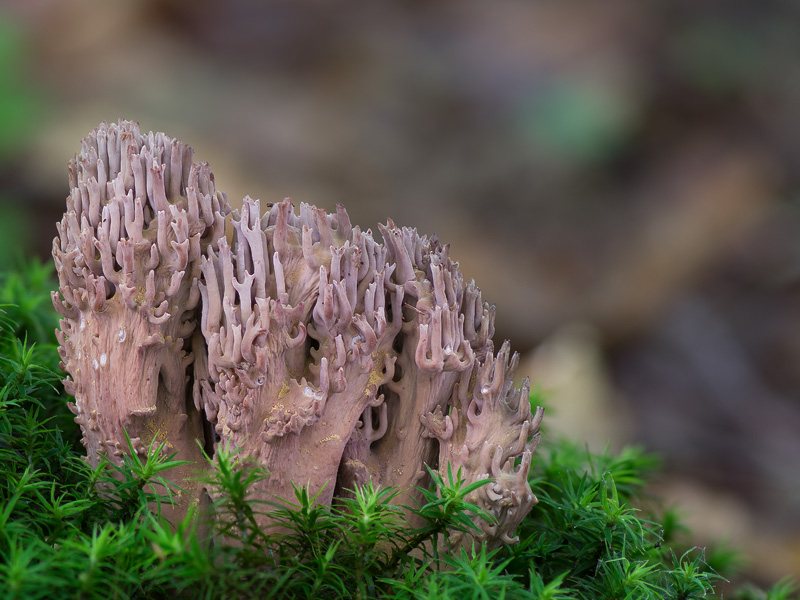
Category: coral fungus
[328,357]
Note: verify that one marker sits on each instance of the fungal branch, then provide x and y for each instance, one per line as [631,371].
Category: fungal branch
[296,318]
[329,357]
[139,217]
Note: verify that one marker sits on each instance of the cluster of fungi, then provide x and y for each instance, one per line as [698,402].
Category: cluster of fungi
[297,339]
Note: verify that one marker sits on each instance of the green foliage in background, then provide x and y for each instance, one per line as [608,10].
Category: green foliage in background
[19,102]
[22,106]
[70,531]
[575,120]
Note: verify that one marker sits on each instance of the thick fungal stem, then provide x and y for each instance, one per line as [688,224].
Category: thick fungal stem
[129,289]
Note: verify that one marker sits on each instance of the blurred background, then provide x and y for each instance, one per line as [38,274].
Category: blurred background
[621,178]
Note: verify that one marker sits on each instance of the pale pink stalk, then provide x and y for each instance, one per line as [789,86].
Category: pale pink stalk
[139,217]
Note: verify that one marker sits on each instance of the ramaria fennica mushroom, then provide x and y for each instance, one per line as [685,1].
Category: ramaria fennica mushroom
[139,217]
[328,357]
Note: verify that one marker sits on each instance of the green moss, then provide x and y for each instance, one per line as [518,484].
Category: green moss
[68,531]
